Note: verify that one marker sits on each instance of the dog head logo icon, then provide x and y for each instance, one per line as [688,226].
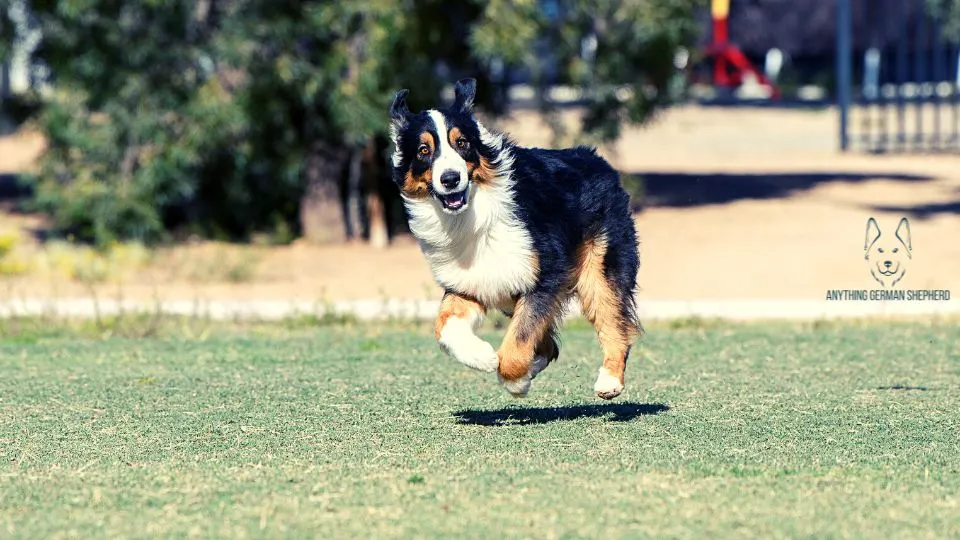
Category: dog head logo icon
[887,255]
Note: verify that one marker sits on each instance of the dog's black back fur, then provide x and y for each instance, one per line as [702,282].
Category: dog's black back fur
[567,196]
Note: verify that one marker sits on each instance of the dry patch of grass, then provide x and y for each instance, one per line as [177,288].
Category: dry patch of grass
[63,260]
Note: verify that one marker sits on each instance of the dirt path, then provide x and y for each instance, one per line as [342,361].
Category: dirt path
[752,204]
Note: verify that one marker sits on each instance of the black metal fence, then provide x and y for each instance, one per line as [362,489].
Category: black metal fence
[898,88]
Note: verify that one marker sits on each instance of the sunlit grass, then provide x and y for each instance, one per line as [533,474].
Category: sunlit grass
[333,429]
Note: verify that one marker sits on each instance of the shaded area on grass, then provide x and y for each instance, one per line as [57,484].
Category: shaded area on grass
[903,387]
[922,211]
[616,412]
[681,190]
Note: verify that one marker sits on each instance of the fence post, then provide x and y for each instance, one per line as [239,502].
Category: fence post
[844,69]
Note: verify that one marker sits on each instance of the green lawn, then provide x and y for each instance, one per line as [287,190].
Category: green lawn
[767,430]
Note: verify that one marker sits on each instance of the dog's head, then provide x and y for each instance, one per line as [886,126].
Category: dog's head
[887,254]
[442,154]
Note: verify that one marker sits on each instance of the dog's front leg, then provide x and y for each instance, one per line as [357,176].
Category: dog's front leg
[457,322]
[529,344]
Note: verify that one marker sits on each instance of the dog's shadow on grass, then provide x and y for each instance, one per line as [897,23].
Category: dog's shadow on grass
[514,416]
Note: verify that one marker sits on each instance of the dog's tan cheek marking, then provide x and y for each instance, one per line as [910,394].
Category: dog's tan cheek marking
[416,187]
[483,173]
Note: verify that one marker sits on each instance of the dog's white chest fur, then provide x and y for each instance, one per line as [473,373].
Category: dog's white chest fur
[485,252]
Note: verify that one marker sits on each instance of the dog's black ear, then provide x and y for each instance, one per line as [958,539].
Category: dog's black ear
[399,111]
[903,234]
[873,232]
[464,92]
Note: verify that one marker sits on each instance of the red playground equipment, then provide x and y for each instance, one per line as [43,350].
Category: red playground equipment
[730,64]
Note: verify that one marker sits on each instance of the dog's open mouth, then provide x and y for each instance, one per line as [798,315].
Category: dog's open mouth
[454,202]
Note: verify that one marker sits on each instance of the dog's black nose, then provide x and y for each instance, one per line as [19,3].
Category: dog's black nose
[888,264]
[450,179]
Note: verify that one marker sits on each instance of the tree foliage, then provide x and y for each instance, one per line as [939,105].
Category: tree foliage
[949,12]
[220,116]
[622,54]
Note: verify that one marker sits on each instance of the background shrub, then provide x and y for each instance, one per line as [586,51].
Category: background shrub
[227,118]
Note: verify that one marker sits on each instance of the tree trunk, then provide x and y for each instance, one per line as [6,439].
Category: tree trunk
[352,198]
[376,209]
[321,209]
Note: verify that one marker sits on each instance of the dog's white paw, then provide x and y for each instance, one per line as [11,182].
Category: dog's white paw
[518,388]
[477,354]
[607,385]
[458,340]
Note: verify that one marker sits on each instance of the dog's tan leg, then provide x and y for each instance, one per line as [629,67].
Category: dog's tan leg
[605,308]
[529,344]
[546,351]
[455,329]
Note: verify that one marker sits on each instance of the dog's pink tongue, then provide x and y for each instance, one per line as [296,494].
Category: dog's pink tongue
[455,203]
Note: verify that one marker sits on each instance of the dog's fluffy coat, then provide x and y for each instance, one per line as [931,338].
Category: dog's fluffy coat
[520,230]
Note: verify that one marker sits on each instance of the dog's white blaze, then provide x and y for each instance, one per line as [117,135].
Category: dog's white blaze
[485,251]
[458,339]
[607,383]
[449,159]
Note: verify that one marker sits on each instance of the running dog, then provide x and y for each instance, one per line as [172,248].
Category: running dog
[520,230]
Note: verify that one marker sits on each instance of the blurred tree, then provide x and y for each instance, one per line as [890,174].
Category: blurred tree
[618,53]
[232,117]
[949,12]
[320,74]
[621,53]
[137,118]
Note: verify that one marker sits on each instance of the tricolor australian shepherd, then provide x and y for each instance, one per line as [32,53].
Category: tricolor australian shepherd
[520,230]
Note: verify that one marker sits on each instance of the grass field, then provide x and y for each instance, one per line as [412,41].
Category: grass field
[762,430]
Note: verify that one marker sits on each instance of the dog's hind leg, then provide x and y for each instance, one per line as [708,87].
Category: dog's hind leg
[455,329]
[606,277]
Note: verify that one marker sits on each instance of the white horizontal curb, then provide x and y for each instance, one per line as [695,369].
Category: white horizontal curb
[427,309]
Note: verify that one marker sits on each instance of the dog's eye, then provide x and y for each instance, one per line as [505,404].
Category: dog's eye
[462,143]
[896,250]
[880,250]
[424,150]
